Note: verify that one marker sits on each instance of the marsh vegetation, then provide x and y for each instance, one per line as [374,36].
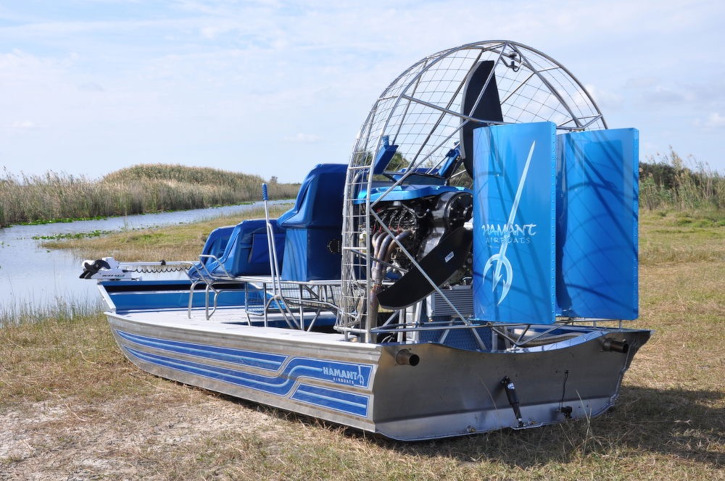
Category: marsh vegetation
[142,189]
[667,181]
[178,242]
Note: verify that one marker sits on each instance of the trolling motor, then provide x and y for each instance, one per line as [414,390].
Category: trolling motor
[108,269]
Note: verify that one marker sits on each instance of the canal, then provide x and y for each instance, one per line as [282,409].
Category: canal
[35,279]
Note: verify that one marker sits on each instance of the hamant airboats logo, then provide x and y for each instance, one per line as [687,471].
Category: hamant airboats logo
[506,234]
[345,374]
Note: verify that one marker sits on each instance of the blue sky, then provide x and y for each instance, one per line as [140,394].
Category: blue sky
[273,87]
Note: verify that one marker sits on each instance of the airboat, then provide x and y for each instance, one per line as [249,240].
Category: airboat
[471,268]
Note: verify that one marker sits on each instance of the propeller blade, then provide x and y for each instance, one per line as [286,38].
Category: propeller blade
[440,264]
[488,107]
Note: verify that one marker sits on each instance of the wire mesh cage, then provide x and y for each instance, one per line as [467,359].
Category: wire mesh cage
[425,112]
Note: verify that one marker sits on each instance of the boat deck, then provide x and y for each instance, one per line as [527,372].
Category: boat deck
[227,322]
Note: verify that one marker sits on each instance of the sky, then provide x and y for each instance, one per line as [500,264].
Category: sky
[274,87]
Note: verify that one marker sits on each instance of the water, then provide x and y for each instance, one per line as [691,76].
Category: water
[33,279]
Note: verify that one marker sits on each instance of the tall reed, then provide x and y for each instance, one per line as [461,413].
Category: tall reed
[669,182]
[136,190]
[22,311]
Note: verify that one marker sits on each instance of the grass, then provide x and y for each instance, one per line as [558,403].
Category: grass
[675,236]
[671,182]
[55,197]
[179,242]
[71,406]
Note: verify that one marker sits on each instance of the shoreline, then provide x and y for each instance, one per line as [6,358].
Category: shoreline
[72,407]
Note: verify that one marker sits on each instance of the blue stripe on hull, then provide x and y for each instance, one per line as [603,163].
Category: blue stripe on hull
[333,399]
[285,383]
[260,360]
[336,372]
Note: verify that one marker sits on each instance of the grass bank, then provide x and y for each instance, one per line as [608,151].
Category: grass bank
[179,242]
[72,407]
[136,190]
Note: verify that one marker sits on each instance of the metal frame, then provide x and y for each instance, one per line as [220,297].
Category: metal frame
[313,297]
[420,112]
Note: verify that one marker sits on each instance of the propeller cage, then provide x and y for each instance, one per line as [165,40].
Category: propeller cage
[411,164]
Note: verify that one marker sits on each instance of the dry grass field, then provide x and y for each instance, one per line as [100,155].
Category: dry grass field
[71,406]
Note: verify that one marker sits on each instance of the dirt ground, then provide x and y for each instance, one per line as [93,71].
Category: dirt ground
[121,439]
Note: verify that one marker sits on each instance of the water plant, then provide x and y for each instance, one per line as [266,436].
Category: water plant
[74,235]
[177,242]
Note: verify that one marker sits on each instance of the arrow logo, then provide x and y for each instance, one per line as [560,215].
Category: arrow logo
[500,259]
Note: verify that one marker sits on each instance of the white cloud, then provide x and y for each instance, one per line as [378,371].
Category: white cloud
[712,121]
[303,138]
[640,82]
[91,87]
[604,98]
[664,95]
[23,125]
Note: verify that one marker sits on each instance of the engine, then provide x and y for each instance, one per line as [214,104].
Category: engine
[418,224]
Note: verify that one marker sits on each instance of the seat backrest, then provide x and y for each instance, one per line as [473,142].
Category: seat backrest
[314,227]
[246,251]
[216,243]
[319,201]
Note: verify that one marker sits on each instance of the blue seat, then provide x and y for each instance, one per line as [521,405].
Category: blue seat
[216,243]
[313,227]
[307,237]
[246,252]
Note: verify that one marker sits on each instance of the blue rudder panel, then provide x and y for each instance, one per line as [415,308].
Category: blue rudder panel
[597,219]
[514,223]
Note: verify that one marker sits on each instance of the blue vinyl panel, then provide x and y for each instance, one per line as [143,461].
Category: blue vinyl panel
[597,206]
[514,223]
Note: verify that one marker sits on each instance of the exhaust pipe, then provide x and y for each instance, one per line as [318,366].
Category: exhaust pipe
[616,346]
[406,358]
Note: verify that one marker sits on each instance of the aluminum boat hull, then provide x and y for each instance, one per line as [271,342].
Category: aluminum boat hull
[449,392]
